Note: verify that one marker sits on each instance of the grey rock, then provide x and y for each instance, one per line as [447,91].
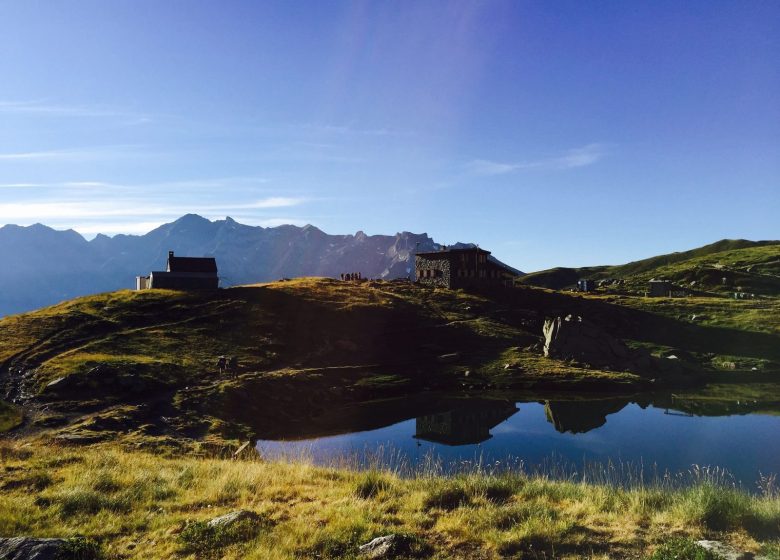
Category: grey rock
[449,358]
[62,384]
[572,338]
[727,552]
[80,438]
[234,517]
[28,548]
[388,546]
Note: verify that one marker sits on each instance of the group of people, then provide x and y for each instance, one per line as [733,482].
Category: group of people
[351,276]
[227,365]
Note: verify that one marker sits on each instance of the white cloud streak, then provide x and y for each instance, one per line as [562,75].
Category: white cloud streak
[57,210]
[47,109]
[73,155]
[574,158]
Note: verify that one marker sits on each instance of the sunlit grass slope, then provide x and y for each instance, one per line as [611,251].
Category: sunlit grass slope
[139,505]
[720,268]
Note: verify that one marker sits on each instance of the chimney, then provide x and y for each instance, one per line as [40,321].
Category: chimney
[170,256]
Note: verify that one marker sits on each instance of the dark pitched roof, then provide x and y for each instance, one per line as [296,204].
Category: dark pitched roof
[456,251]
[192,264]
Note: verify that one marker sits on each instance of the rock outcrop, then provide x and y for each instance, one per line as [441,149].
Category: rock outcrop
[573,338]
[30,548]
[233,518]
[388,546]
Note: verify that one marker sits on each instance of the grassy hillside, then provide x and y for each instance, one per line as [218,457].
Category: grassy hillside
[140,505]
[752,266]
[103,365]
[130,378]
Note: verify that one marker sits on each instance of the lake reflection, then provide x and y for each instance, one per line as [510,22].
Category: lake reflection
[671,433]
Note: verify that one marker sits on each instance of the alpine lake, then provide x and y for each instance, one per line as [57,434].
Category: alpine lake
[730,432]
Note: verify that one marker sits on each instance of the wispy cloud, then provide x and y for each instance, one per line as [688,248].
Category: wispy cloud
[90,229]
[576,157]
[56,209]
[275,202]
[45,108]
[347,129]
[58,185]
[76,154]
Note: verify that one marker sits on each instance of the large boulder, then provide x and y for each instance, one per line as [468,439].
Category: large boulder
[29,548]
[573,338]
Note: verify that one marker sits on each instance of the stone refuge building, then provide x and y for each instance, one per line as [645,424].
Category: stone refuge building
[182,273]
[464,426]
[461,268]
[659,288]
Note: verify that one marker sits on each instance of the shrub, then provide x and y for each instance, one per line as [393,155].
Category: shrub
[205,541]
[499,490]
[717,507]
[80,549]
[449,496]
[89,502]
[105,483]
[370,484]
[682,549]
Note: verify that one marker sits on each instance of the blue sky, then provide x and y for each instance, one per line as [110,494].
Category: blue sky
[552,133]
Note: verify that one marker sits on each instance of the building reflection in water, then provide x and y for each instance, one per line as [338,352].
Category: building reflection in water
[466,425]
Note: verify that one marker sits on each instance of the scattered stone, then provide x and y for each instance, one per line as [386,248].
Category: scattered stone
[243,451]
[81,438]
[447,358]
[388,546]
[727,552]
[62,385]
[28,548]
[229,519]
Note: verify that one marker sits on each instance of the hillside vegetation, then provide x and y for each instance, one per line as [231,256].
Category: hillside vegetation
[748,266]
[103,365]
[130,378]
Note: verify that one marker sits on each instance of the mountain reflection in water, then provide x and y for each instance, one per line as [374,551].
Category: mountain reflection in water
[578,417]
[730,426]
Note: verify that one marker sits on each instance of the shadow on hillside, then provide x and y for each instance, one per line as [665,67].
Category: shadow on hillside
[332,332]
[644,326]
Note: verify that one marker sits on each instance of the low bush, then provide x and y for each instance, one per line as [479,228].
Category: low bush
[370,484]
[682,549]
[448,496]
[206,541]
[79,548]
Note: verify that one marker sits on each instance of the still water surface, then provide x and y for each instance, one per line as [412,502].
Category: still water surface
[573,433]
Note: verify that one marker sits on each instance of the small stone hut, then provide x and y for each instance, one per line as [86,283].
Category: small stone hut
[182,273]
[659,288]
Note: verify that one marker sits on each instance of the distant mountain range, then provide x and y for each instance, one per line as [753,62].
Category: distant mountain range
[42,266]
